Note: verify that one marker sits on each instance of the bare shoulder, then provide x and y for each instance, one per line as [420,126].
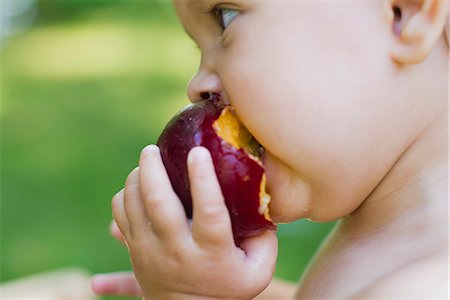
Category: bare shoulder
[424,279]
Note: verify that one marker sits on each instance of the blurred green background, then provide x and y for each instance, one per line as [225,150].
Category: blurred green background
[83,90]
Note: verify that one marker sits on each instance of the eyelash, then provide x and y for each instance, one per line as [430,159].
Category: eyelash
[218,13]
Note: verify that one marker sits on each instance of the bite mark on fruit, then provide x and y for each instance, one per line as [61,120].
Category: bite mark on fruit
[264,200]
[237,160]
[228,127]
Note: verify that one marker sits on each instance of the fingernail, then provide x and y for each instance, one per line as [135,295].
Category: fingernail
[114,228]
[198,155]
[150,149]
[100,284]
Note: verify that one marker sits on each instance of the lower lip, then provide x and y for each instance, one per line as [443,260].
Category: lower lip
[264,157]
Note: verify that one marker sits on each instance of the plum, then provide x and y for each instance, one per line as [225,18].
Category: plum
[236,157]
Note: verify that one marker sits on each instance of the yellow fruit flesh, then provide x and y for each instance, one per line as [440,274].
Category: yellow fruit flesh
[233,132]
[264,199]
[230,130]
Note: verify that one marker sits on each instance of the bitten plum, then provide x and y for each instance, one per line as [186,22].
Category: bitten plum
[235,155]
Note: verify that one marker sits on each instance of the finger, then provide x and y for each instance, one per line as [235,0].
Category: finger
[134,206]
[115,232]
[116,284]
[261,253]
[163,207]
[211,225]
[119,214]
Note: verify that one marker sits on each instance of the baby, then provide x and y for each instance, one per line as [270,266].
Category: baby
[349,100]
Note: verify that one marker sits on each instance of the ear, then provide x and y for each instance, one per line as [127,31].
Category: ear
[417,25]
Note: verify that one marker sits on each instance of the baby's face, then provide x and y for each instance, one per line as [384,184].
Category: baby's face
[314,83]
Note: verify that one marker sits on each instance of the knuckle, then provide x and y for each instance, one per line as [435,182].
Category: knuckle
[130,193]
[138,246]
[177,256]
[156,197]
[203,175]
[158,193]
[212,213]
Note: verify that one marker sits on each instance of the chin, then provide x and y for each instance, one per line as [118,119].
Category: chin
[289,193]
[286,212]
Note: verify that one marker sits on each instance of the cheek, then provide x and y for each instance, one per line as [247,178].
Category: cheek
[332,133]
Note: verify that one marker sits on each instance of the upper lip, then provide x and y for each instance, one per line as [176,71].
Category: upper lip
[225,98]
[222,97]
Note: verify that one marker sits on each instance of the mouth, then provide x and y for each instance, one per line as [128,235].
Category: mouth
[211,95]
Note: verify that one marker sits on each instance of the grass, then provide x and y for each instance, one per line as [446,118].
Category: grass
[80,99]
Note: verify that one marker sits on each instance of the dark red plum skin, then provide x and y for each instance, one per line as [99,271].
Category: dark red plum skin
[239,175]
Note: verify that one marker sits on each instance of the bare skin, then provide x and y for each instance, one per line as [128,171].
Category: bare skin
[417,209]
[398,235]
[371,151]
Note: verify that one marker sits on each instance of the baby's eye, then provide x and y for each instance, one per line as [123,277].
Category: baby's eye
[225,16]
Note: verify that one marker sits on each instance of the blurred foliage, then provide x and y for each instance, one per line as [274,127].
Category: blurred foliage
[74,10]
[83,92]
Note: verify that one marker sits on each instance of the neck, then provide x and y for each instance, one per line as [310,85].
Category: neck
[412,200]
[403,222]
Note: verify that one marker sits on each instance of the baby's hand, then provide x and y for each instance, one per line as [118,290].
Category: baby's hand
[116,283]
[175,259]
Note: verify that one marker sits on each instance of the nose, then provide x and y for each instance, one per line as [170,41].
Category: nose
[203,84]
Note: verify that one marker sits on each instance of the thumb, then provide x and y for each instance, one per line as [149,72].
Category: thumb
[116,284]
[262,250]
